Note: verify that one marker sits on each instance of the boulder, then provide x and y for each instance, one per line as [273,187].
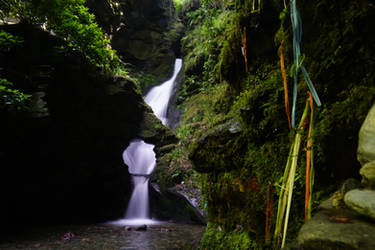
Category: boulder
[368,174]
[333,229]
[141,228]
[154,132]
[361,201]
[366,142]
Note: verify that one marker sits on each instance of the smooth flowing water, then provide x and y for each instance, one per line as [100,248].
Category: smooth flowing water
[140,157]
[158,97]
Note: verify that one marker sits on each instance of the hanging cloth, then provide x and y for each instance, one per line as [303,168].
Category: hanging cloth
[297,36]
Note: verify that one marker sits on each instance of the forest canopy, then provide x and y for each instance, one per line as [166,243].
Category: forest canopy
[69,19]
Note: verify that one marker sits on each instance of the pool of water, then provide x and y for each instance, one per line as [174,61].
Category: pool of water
[106,236]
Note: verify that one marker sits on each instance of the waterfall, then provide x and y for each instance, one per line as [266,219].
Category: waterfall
[158,97]
[140,157]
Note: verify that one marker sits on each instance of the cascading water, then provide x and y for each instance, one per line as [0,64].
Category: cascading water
[158,97]
[140,157]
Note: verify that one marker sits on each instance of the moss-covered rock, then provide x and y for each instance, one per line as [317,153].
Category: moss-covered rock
[368,174]
[366,143]
[215,150]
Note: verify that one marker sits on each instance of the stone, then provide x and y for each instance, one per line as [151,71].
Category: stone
[336,229]
[366,142]
[368,174]
[361,201]
[141,228]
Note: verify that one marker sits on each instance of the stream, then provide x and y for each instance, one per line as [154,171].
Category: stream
[104,236]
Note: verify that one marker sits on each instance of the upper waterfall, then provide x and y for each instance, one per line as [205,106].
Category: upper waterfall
[158,97]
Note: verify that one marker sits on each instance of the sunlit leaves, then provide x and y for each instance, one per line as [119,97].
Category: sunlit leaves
[11,99]
[69,19]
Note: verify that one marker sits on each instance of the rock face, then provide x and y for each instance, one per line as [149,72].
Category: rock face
[141,33]
[108,14]
[366,143]
[61,161]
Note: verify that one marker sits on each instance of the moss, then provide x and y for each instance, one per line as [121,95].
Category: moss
[216,238]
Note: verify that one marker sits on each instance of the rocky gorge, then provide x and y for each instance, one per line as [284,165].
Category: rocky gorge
[61,158]
[229,141]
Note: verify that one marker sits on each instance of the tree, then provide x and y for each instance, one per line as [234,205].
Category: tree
[69,19]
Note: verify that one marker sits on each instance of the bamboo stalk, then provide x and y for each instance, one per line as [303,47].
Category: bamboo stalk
[292,172]
[312,173]
[309,163]
[286,190]
[286,96]
[282,200]
[244,47]
[266,236]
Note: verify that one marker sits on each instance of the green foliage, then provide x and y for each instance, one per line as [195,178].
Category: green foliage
[216,238]
[11,99]
[7,41]
[71,20]
[178,4]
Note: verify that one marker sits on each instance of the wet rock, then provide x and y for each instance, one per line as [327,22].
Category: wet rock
[336,229]
[366,142]
[171,205]
[368,174]
[154,132]
[141,228]
[127,228]
[361,201]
